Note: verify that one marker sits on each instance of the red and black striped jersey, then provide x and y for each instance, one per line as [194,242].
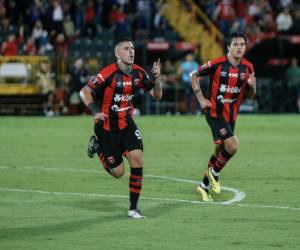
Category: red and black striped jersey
[113,91]
[227,86]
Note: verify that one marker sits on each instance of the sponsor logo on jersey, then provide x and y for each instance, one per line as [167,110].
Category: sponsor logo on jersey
[122,98]
[221,99]
[233,75]
[122,84]
[233,90]
[116,108]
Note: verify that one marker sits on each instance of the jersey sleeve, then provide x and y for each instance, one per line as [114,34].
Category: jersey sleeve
[206,68]
[146,82]
[97,83]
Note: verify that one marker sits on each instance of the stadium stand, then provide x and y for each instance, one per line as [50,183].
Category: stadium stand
[66,30]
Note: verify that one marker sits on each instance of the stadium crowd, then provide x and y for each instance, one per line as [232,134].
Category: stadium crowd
[50,27]
[33,27]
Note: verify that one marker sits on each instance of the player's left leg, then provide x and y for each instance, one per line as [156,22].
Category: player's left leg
[202,188]
[211,163]
[132,146]
[135,159]
[231,146]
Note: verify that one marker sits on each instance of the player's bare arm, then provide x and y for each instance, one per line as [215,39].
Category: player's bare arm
[86,95]
[252,84]
[157,89]
[204,102]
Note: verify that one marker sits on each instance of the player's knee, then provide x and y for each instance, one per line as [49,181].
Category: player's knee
[137,162]
[232,146]
[118,172]
[135,158]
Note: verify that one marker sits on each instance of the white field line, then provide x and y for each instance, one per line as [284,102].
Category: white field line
[239,195]
[143,198]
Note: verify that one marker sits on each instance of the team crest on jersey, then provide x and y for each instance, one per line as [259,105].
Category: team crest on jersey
[242,76]
[223,131]
[136,81]
[111,160]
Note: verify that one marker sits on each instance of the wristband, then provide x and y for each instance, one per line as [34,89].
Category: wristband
[93,107]
[197,90]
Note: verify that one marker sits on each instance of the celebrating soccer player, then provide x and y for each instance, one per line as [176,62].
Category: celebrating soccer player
[231,78]
[109,97]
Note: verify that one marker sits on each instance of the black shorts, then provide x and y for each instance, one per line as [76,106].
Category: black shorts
[115,144]
[220,129]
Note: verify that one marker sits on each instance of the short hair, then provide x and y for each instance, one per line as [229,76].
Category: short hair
[230,37]
[121,40]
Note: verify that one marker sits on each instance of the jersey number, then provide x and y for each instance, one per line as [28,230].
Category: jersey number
[138,134]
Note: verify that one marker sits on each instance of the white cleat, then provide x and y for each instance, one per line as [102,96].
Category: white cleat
[135,214]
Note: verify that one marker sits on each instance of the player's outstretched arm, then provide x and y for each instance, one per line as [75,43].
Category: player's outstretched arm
[157,89]
[204,103]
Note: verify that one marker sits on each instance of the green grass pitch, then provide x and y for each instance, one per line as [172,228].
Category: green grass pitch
[52,196]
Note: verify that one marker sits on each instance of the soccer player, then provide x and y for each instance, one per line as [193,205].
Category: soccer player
[231,79]
[109,97]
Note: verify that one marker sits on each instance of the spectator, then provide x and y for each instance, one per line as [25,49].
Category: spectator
[99,14]
[241,10]
[143,12]
[159,22]
[57,17]
[77,15]
[118,21]
[45,81]
[77,79]
[40,36]
[69,28]
[6,28]
[61,46]
[224,14]
[184,70]
[37,12]
[2,9]
[284,21]
[89,19]
[170,89]
[10,46]
[29,48]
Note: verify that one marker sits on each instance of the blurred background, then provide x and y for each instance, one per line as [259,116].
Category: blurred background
[50,48]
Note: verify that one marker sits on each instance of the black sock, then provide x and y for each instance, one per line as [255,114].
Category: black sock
[222,158]
[135,186]
[212,160]
[205,180]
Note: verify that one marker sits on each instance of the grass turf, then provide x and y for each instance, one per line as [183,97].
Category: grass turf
[75,210]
